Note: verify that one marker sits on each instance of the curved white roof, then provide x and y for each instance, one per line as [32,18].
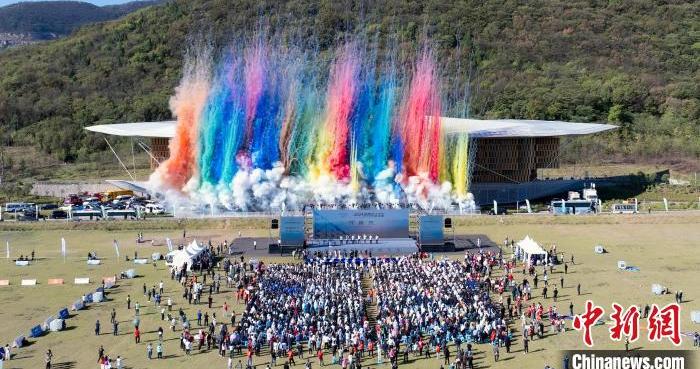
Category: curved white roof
[519,128]
[164,129]
[474,127]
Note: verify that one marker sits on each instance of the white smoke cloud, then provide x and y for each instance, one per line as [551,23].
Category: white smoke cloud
[271,190]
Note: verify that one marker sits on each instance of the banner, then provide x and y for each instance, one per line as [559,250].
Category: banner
[431,229]
[170,244]
[386,223]
[291,230]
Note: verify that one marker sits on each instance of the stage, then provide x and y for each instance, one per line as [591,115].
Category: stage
[389,246]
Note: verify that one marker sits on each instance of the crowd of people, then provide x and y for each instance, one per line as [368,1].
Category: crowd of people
[316,304]
[349,308]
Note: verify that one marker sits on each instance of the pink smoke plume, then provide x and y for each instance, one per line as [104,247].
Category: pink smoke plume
[420,120]
[255,60]
[340,100]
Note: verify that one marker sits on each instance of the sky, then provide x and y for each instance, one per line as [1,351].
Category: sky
[96,2]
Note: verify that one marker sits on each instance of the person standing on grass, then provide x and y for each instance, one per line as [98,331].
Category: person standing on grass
[47,358]
[128,302]
[159,350]
[115,328]
[97,327]
[118,362]
[578,289]
[137,335]
[149,351]
[526,346]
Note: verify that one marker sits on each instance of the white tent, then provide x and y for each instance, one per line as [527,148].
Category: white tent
[527,247]
[186,255]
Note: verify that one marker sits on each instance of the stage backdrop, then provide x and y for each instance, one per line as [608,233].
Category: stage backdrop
[292,231]
[431,230]
[386,223]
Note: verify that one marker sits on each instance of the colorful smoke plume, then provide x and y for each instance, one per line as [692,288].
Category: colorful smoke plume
[265,128]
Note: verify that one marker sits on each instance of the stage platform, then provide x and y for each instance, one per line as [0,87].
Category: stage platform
[385,246]
[462,243]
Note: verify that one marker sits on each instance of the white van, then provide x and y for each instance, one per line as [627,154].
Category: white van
[154,208]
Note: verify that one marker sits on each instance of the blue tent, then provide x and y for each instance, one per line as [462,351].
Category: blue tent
[37,331]
[20,341]
[63,313]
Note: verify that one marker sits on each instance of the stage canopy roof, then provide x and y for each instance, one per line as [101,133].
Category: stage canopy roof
[164,129]
[476,128]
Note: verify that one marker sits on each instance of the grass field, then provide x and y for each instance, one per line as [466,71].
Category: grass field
[664,248]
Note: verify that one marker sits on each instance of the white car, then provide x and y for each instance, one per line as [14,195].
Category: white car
[154,208]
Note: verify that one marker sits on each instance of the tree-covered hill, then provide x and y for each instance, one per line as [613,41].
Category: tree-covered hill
[628,62]
[45,20]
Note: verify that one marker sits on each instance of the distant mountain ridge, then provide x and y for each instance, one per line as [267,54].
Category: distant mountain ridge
[28,22]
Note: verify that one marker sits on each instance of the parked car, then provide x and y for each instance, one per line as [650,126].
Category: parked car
[48,207]
[28,216]
[154,208]
[58,214]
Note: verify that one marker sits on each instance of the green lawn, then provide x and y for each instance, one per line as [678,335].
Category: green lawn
[664,248]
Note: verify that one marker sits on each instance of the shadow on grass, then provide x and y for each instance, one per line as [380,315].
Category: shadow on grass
[64,365]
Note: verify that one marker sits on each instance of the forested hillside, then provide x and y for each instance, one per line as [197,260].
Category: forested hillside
[46,20]
[632,63]
[60,17]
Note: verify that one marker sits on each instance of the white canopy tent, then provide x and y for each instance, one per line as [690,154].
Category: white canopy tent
[527,248]
[186,255]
